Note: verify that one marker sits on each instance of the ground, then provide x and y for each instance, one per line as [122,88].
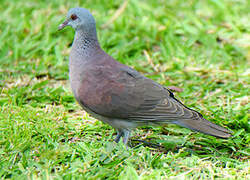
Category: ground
[199,46]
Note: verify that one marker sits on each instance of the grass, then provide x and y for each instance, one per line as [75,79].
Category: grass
[200,46]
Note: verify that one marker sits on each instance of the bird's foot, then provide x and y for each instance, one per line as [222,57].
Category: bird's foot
[122,133]
[118,137]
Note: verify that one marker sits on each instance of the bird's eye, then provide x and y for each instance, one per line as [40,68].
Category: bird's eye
[73,17]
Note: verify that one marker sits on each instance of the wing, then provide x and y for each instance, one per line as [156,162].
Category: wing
[117,91]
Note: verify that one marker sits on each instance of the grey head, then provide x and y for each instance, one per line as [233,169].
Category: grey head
[81,20]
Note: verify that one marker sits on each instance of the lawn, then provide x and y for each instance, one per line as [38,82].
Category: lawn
[200,46]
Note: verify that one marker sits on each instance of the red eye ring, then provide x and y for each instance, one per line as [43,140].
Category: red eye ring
[73,17]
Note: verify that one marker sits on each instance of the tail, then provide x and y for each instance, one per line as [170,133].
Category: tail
[206,127]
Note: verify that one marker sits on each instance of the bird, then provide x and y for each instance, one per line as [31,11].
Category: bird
[119,95]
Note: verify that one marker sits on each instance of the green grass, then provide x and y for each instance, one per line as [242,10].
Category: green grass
[200,46]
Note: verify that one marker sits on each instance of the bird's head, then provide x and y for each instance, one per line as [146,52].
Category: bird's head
[79,18]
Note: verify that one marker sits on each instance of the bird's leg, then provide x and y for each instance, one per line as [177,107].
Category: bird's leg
[119,135]
[126,134]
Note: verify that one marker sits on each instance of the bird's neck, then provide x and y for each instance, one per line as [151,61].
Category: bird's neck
[86,41]
[85,49]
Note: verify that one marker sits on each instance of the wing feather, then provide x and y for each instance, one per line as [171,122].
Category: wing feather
[126,94]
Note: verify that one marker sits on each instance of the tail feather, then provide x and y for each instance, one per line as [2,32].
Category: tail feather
[206,127]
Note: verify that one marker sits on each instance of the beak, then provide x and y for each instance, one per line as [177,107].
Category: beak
[61,26]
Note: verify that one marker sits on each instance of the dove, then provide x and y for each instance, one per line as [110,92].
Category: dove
[119,95]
